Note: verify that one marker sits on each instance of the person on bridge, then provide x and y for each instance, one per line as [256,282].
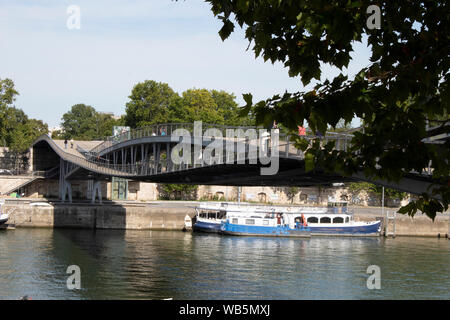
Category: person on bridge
[65,144]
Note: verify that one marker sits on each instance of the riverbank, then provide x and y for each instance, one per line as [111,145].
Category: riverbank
[170,215]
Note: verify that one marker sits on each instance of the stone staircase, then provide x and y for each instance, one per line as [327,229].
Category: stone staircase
[11,184]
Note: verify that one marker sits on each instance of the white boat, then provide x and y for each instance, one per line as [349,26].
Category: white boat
[4,216]
[334,220]
[210,215]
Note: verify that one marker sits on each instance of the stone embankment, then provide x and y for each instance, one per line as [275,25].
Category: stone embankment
[171,215]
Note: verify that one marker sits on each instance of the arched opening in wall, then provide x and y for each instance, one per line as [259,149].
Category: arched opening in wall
[303,197]
[262,197]
[325,220]
[209,196]
[219,196]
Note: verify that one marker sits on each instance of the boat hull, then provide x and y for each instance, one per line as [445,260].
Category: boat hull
[209,227]
[363,230]
[247,230]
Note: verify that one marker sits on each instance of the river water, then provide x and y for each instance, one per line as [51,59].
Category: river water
[118,264]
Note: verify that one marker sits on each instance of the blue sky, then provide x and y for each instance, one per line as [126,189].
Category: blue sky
[121,43]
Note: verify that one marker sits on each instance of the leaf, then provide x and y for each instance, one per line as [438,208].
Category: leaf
[309,162]
[226,29]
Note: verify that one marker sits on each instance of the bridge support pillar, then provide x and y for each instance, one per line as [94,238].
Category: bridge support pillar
[66,191]
[65,187]
[97,191]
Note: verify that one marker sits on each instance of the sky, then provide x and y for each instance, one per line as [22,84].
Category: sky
[121,43]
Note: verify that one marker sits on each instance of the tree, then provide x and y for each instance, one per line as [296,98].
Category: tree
[7,97]
[195,105]
[17,131]
[23,134]
[83,122]
[171,191]
[149,104]
[229,109]
[404,87]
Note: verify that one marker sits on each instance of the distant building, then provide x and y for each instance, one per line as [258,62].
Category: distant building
[53,129]
[111,114]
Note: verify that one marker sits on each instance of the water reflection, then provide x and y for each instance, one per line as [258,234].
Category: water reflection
[156,265]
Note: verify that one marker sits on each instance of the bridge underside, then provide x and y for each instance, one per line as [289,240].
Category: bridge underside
[290,173]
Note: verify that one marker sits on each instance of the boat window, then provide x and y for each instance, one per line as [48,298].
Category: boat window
[346,219]
[221,214]
[212,215]
[249,221]
[312,220]
[325,220]
[235,220]
[338,220]
[265,222]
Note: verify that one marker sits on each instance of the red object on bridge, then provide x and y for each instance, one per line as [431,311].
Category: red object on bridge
[301,131]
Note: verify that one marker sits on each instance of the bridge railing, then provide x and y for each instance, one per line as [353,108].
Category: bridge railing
[94,162]
[168,129]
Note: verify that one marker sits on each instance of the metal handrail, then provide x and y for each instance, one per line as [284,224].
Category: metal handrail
[169,128]
[94,162]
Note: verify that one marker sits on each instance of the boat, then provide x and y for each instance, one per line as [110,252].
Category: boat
[271,225]
[209,217]
[333,220]
[3,216]
[338,221]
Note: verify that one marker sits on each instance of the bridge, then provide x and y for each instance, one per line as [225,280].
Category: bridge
[238,159]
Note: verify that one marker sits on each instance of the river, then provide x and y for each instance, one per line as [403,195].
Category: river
[116,264]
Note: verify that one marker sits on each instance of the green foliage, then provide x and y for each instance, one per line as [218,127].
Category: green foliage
[195,105]
[177,191]
[17,131]
[377,190]
[149,104]
[154,102]
[83,122]
[404,87]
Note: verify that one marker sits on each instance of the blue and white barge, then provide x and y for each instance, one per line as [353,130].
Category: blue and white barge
[270,224]
[244,219]
[209,217]
[337,220]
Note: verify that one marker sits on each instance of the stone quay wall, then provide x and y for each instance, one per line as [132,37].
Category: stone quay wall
[171,215]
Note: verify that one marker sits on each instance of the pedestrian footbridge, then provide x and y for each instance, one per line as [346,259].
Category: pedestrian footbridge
[195,154]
